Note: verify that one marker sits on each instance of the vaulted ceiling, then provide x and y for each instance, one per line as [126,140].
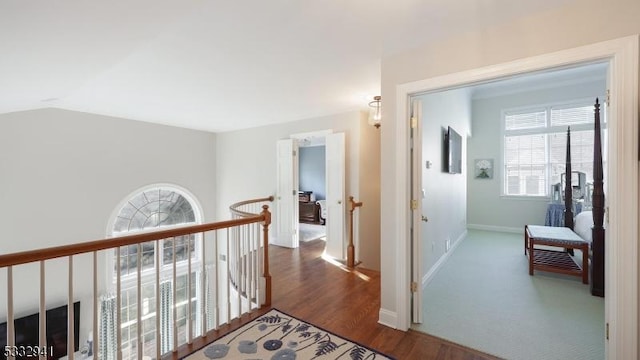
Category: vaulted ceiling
[220,65]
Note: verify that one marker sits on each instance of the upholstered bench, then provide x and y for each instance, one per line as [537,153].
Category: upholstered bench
[557,261]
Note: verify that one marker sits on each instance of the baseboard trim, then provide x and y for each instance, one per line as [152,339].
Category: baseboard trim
[496,228]
[434,269]
[388,318]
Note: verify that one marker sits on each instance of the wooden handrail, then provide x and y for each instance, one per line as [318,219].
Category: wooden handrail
[234,207]
[110,243]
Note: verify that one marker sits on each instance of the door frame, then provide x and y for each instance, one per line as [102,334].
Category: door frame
[621,256]
[324,133]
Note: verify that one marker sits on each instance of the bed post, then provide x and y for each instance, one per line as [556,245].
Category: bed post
[597,231]
[568,189]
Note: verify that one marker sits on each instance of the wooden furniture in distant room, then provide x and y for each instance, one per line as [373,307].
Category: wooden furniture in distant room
[557,261]
[304,196]
[309,211]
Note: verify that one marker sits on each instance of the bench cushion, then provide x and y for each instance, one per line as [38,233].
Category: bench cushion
[557,235]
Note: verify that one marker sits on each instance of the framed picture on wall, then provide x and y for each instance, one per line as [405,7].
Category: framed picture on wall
[483,169]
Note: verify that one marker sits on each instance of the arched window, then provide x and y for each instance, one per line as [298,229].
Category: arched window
[147,210]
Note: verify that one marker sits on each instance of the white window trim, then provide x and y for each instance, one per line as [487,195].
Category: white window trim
[580,102]
[198,216]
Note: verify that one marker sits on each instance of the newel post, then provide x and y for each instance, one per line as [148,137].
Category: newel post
[265,231]
[350,248]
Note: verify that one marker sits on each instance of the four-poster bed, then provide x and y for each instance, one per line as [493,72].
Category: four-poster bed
[586,233]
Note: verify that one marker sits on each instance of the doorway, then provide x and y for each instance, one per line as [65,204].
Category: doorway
[621,254]
[289,192]
[500,186]
[312,199]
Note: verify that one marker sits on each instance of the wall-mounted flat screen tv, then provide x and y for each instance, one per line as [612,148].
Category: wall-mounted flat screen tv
[452,152]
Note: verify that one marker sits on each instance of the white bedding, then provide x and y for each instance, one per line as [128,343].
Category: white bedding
[583,224]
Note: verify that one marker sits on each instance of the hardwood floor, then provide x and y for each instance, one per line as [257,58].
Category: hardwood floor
[342,301]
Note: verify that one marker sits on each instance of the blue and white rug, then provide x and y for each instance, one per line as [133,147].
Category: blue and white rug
[279,336]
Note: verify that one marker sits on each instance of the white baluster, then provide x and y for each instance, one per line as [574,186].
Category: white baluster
[175,299]
[140,337]
[118,306]
[95,344]
[157,292]
[70,314]
[11,334]
[203,292]
[42,327]
[216,298]
[189,321]
[228,279]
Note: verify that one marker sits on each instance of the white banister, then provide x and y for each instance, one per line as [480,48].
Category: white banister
[112,335]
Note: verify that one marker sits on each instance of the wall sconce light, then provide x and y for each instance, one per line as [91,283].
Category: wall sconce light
[375,111]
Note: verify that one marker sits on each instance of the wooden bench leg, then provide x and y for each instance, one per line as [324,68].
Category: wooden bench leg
[531,255]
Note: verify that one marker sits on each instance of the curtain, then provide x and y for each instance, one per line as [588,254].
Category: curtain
[208,304]
[107,327]
[166,316]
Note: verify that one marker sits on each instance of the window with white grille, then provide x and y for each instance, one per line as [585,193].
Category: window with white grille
[156,207]
[535,146]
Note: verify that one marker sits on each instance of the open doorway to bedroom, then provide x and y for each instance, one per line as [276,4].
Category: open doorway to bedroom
[312,193]
[475,284]
[289,197]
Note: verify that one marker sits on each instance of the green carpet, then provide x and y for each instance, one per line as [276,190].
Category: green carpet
[483,298]
[279,336]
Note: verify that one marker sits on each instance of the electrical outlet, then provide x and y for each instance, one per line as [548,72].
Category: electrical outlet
[223,257]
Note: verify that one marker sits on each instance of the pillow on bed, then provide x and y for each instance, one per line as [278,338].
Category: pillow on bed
[583,224]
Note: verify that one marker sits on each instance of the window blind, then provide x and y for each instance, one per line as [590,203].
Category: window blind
[535,147]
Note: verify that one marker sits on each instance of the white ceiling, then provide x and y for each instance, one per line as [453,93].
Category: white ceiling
[219,65]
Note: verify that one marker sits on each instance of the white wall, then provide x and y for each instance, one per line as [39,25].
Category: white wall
[370,190]
[247,158]
[63,175]
[445,195]
[510,212]
[578,23]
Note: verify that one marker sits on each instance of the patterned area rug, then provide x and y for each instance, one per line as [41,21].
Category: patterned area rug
[279,336]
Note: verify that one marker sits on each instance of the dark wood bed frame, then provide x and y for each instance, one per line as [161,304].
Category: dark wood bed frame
[597,231]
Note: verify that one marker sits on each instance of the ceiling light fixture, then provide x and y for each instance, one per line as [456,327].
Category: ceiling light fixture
[375,111]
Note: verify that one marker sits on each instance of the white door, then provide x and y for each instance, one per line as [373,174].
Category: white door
[335,156]
[418,213]
[286,218]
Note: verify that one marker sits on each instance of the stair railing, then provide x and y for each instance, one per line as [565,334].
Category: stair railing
[212,237]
